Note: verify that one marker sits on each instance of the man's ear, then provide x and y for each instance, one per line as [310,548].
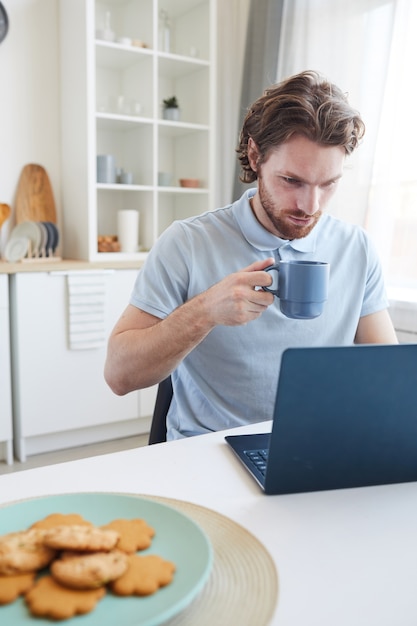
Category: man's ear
[253,154]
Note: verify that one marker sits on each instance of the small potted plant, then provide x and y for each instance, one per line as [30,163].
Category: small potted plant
[171,109]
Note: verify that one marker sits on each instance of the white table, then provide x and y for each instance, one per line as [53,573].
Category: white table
[343,558]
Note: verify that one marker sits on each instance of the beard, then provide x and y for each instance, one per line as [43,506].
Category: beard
[279,218]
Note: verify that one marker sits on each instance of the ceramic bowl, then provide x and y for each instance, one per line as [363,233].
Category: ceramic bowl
[189,182]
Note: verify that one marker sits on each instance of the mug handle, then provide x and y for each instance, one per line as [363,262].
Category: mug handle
[268,269]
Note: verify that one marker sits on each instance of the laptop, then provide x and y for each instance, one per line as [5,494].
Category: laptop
[344,417]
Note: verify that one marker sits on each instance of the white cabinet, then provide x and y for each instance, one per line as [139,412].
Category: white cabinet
[112,95]
[404,317]
[60,396]
[5,376]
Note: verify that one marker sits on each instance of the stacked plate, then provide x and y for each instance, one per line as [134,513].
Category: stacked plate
[32,240]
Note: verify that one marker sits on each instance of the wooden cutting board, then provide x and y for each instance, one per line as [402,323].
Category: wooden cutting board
[34,196]
[5,213]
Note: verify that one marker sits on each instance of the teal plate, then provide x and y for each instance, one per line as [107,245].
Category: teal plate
[177,538]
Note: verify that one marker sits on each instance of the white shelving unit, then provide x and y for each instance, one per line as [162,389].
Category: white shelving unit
[112,93]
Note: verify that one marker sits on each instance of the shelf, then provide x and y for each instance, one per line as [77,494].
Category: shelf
[115,121]
[174,65]
[122,187]
[172,189]
[187,190]
[117,56]
[177,129]
[118,111]
[121,256]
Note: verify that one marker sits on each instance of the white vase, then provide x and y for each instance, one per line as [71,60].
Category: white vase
[172,114]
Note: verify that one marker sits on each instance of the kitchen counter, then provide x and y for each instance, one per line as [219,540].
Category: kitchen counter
[51,265]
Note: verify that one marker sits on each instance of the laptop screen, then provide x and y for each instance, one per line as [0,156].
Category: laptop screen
[344,417]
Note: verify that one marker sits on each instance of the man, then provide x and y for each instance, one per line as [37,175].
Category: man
[197,312]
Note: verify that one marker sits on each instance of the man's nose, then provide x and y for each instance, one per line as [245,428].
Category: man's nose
[309,202]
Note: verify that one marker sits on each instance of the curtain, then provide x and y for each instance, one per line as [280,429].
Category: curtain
[392,210]
[261,62]
[368,48]
[348,42]
[247,50]
[232,20]
[264,41]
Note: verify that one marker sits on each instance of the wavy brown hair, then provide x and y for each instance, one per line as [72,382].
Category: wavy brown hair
[305,104]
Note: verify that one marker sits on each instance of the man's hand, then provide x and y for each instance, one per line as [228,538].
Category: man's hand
[143,349]
[235,300]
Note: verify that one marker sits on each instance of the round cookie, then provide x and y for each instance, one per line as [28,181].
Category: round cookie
[24,551]
[89,571]
[81,538]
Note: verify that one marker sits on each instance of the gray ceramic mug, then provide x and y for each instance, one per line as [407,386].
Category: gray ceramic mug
[301,286]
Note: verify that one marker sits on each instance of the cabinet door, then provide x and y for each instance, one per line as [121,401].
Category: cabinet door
[58,387]
[5,377]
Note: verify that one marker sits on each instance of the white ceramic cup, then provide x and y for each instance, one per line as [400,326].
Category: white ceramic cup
[128,230]
[164,179]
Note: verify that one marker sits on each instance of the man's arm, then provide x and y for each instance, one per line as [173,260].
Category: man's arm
[143,349]
[376,328]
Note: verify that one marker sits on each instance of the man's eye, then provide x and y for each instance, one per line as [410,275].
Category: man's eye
[289,180]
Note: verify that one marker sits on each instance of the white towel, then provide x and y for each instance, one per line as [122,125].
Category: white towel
[87,298]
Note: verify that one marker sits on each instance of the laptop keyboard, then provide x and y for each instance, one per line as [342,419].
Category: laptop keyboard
[258,458]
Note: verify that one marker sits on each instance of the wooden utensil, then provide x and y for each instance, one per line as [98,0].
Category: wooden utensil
[34,196]
[5,212]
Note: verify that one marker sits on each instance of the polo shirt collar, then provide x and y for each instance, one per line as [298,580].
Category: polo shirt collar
[261,238]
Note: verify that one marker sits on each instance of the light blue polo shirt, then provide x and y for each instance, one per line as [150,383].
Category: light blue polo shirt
[230,379]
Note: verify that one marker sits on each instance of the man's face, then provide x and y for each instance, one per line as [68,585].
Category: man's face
[295,183]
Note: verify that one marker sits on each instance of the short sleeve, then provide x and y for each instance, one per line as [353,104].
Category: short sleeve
[162,284]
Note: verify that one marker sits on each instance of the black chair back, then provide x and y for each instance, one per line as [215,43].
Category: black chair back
[158,432]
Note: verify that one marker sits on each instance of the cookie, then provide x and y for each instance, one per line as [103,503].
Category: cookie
[61,519]
[24,551]
[11,587]
[144,576]
[89,571]
[135,534]
[81,538]
[47,598]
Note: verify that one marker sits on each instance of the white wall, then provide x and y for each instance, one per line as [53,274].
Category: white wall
[29,97]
